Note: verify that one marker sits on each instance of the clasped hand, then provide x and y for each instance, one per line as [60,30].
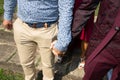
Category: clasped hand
[55,51]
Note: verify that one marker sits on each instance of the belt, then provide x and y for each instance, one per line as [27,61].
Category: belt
[40,24]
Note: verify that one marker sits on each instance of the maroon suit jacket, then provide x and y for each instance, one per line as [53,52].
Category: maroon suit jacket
[86,32]
[107,14]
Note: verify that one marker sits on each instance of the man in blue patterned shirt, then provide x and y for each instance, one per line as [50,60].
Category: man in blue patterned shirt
[38,23]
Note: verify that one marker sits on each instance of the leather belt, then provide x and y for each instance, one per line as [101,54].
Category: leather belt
[40,24]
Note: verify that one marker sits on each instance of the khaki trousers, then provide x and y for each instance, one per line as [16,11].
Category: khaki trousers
[27,40]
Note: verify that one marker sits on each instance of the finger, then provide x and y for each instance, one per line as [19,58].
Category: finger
[54,53]
[51,46]
[54,41]
[9,26]
[5,26]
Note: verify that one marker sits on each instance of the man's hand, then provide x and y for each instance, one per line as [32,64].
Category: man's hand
[7,24]
[55,51]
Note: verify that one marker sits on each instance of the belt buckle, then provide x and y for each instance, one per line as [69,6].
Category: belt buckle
[34,25]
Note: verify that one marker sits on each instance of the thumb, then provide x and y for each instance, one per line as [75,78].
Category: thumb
[52,44]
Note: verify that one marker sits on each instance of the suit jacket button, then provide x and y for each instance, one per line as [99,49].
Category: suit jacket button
[117,28]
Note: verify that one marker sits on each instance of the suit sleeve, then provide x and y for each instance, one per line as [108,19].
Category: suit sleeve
[82,15]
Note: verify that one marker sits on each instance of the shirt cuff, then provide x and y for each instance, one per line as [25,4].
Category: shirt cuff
[60,47]
[8,17]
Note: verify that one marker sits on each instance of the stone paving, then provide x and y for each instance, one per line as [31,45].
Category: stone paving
[9,59]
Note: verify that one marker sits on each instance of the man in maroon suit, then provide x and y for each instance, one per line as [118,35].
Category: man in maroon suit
[109,57]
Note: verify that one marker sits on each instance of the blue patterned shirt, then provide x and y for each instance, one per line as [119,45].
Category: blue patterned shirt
[34,11]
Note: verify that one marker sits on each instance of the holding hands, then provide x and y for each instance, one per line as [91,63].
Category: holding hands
[55,51]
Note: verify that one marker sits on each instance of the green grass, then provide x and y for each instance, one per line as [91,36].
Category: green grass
[96,11]
[9,75]
[1,7]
